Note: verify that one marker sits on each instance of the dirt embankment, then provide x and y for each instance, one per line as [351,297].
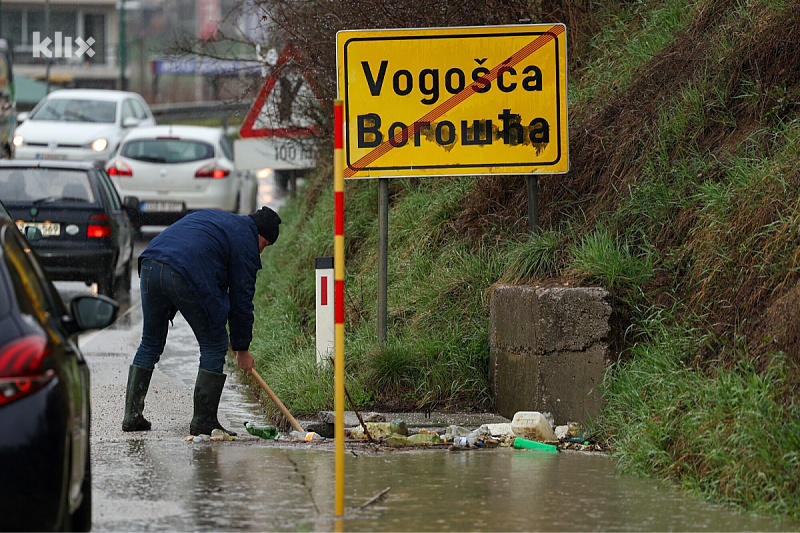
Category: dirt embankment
[610,148]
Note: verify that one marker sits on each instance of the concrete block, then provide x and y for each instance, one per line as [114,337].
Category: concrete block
[548,350]
[516,382]
[569,384]
[536,319]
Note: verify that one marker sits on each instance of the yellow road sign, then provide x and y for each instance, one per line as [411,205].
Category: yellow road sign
[454,101]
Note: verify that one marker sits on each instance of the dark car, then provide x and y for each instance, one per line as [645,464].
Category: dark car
[86,229]
[44,394]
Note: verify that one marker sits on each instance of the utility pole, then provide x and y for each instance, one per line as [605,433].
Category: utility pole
[123,50]
[48,60]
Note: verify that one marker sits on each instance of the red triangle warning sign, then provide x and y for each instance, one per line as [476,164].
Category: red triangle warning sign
[279,108]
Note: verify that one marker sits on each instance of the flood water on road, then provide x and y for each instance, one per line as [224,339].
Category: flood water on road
[156,481]
[225,486]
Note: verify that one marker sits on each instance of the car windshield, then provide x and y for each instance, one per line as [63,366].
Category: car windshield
[76,110]
[44,185]
[172,151]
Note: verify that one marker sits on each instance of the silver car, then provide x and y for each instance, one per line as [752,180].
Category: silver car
[79,124]
[177,169]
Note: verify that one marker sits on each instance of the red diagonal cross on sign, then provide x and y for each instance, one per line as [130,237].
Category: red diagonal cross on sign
[386,146]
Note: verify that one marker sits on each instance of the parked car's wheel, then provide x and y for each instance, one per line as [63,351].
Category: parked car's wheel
[82,519]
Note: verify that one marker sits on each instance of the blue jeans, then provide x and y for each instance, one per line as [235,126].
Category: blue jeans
[164,292]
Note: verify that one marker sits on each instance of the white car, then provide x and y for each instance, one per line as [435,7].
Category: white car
[177,169]
[79,124]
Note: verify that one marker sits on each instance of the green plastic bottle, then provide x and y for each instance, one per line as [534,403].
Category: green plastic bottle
[265,432]
[533,445]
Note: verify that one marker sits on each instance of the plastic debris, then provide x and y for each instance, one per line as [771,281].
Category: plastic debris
[455,431]
[424,439]
[396,440]
[265,432]
[378,430]
[534,445]
[470,441]
[306,436]
[532,425]
[398,427]
[218,434]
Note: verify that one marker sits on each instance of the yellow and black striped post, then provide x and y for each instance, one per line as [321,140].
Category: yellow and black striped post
[338,291]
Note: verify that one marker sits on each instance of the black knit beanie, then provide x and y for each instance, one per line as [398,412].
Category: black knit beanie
[267,222]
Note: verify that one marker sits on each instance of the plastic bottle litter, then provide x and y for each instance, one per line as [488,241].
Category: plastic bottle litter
[218,434]
[307,436]
[533,445]
[481,433]
[265,432]
[455,431]
[466,442]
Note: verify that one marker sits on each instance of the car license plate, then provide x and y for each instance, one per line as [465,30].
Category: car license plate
[162,207]
[48,229]
[51,156]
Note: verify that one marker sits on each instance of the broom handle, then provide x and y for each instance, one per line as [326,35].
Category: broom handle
[277,401]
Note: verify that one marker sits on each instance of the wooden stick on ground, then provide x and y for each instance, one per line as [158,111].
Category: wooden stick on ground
[277,401]
[374,498]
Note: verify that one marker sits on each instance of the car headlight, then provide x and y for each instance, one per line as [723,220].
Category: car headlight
[18,140]
[99,145]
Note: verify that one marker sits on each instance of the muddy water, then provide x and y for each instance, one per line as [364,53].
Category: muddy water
[264,488]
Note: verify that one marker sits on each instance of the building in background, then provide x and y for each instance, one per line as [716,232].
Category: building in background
[24,23]
[152,27]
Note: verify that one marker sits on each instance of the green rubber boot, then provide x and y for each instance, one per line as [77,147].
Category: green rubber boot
[207,392]
[138,383]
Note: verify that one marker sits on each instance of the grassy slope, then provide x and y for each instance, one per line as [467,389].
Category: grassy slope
[682,200]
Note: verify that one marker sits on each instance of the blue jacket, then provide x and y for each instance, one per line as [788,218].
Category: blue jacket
[217,253]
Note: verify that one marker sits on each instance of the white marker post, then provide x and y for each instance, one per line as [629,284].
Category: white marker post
[325,310]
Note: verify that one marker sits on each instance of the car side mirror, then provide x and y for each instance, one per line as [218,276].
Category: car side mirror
[130,122]
[131,204]
[33,233]
[92,312]
[22,117]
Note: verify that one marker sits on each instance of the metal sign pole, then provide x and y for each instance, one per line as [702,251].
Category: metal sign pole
[383,256]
